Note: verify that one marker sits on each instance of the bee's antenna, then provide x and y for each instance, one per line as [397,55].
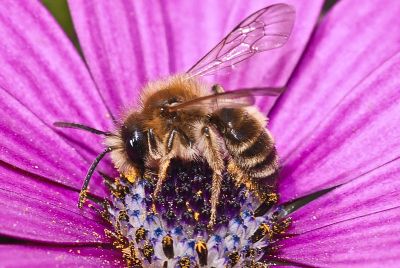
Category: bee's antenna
[83,193]
[83,127]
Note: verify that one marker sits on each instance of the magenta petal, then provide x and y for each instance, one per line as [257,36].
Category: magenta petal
[375,191]
[40,68]
[339,117]
[127,43]
[359,134]
[368,241]
[27,143]
[32,209]
[351,42]
[47,256]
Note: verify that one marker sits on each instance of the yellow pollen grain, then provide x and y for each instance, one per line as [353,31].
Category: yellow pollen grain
[188,208]
[273,197]
[200,246]
[167,240]
[266,229]
[153,208]
[131,175]
[196,216]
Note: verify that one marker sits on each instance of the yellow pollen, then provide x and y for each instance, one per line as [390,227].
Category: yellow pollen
[167,240]
[266,229]
[200,246]
[184,262]
[196,216]
[272,197]
[153,208]
[131,175]
[189,209]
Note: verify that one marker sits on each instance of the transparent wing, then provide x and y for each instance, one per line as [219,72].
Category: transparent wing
[266,29]
[230,99]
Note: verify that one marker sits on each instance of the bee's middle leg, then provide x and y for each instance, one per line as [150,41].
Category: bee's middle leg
[165,161]
[213,156]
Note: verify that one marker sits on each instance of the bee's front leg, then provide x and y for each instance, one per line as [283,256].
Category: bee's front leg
[152,144]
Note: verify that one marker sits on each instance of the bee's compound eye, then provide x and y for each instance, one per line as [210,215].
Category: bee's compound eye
[137,136]
[136,146]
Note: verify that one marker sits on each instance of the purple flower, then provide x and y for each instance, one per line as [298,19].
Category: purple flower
[337,123]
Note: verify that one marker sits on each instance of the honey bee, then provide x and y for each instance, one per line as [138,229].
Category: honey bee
[181,117]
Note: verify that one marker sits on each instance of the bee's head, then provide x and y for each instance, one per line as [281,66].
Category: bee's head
[131,144]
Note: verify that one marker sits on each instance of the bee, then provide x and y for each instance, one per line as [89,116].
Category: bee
[182,117]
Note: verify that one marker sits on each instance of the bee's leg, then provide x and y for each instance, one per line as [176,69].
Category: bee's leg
[162,173]
[165,161]
[237,173]
[152,143]
[217,89]
[213,156]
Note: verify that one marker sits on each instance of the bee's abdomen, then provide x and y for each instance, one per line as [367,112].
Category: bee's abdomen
[249,144]
[257,157]
[260,158]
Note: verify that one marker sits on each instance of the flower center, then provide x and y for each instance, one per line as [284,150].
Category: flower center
[171,229]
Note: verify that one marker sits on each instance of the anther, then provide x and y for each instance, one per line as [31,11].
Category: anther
[202,252]
[168,246]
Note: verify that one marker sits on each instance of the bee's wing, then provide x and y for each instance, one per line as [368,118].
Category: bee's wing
[266,29]
[229,99]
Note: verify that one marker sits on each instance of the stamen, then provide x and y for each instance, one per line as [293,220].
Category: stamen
[168,246]
[261,232]
[202,252]
[234,258]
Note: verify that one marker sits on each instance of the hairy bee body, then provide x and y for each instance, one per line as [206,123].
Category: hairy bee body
[250,146]
[153,127]
[153,134]
[180,118]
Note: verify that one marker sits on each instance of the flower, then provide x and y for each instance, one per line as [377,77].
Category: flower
[336,125]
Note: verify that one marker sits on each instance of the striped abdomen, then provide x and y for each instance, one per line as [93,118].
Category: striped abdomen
[250,146]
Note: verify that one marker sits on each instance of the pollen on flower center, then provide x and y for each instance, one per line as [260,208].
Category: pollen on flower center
[171,230]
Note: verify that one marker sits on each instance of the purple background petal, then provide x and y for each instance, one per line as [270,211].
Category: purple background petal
[359,135]
[47,256]
[29,144]
[40,67]
[332,125]
[375,191]
[127,43]
[35,210]
[367,241]
[350,43]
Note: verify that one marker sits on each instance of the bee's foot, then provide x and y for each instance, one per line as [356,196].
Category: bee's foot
[82,198]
